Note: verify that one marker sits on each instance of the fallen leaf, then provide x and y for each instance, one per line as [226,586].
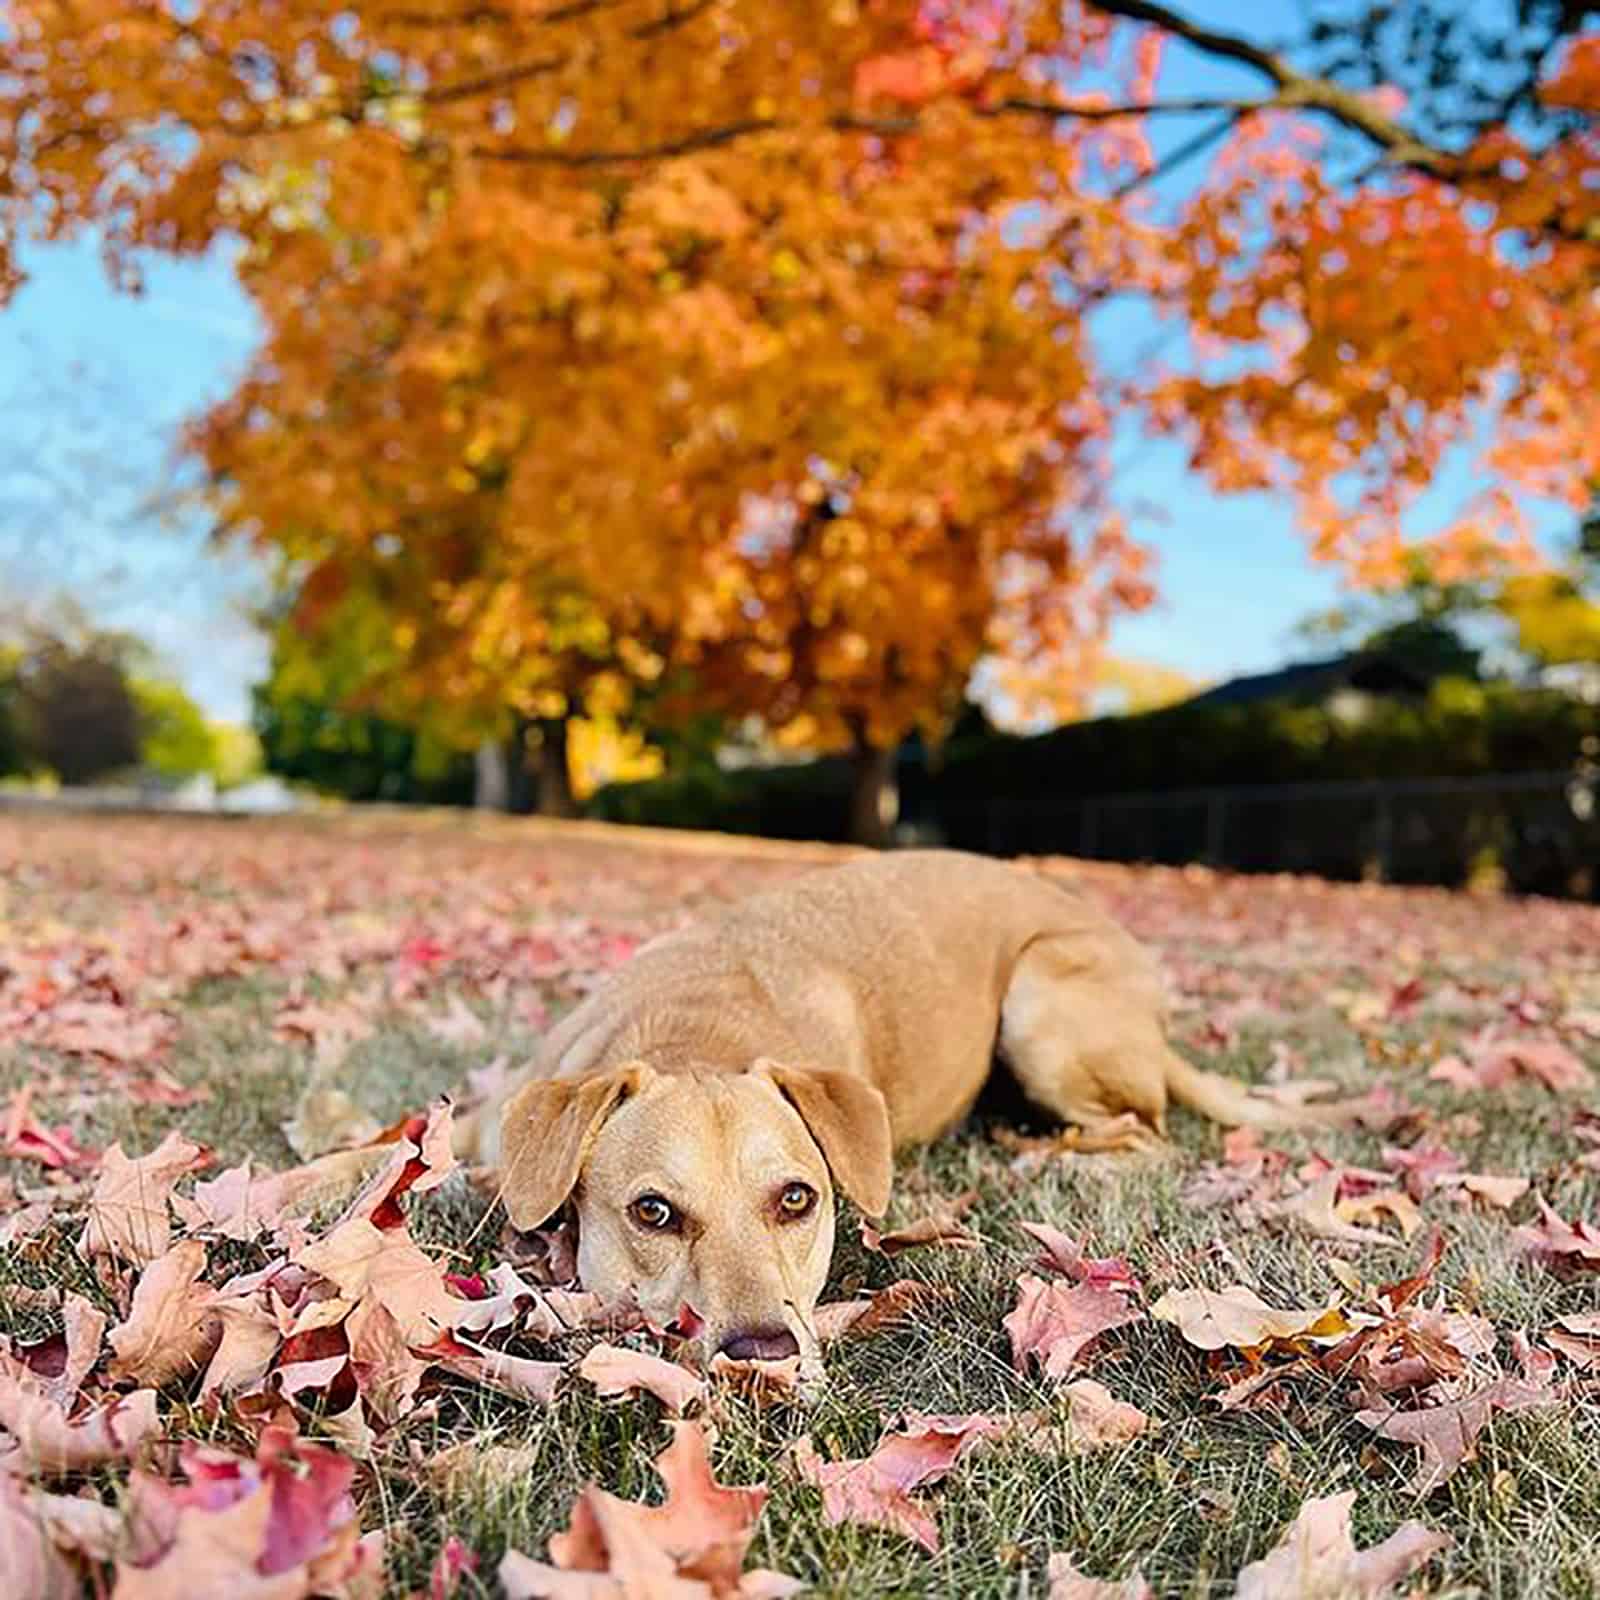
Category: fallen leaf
[1573,1246]
[128,1211]
[1096,1417]
[1501,1192]
[615,1371]
[44,1440]
[1055,1325]
[32,1566]
[1062,1253]
[1420,1167]
[691,1547]
[1317,1558]
[1446,1433]
[1067,1583]
[1313,1209]
[65,1359]
[887,1308]
[1494,1063]
[171,1329]
[1577,1337]
[943,1227]
[326,1119]
[1237,1317]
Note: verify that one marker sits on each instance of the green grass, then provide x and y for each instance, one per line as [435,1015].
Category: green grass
[1191,1502]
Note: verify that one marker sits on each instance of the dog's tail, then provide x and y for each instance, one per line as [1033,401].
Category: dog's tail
[1229,1102]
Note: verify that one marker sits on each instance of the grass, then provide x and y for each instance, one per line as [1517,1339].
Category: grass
[1190,1503]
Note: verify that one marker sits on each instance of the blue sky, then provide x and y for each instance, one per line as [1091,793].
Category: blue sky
[94,385]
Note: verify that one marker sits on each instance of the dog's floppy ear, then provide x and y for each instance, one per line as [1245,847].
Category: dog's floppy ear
[850,1122]
[545,1133]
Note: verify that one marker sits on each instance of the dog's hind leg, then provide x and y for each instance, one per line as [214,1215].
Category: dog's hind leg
[1084,1042]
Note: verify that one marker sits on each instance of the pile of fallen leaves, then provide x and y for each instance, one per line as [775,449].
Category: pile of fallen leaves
[214,1365]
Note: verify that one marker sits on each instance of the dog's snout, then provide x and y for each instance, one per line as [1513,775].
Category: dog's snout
[760,1344]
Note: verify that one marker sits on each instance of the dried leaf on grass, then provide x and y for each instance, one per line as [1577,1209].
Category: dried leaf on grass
[45,1440]
[1062,1253]
[129,1209]
[1237,1317]
[1317,1558]
[616,1371]
[885,1308]
[1056,1326]
[171,1329]
[691,1547]
[1447,1433]
[1577,1337]
[1569,1246]
[942,1227]
[1067,1583]
[279,1527]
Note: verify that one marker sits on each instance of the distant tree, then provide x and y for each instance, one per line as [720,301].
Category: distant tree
[175,737]
[78,712]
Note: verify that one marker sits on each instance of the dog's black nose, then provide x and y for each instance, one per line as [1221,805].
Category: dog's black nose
[760,1344]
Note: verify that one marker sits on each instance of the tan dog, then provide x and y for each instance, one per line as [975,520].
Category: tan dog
[698,1108]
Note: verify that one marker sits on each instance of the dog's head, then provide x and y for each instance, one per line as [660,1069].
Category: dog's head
[709,1191]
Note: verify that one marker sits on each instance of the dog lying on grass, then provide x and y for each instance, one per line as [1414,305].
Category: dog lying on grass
[698,1109]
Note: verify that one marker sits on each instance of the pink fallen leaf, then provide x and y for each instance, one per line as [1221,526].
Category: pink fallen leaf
[1447,1433]
[455,1560]
[1421,1166]
[360,1259]
[280,1525]
[1317,1558]
[171,1329]
[875,1490]
[24,1138]
[1495,1063]
[1062,1253]
[1055,1325]
[1067,1583]
[46,1441]
[615,1371]
[33,1567]
[1577,1337]
[691,1546]
[517,1376]
[1572,1246]
[129,1209]
[65,1359]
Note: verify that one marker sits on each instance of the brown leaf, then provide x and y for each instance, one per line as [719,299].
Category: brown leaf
[943,1227]
[887,1308]
[615,1371]
[1055,1325]
[172,1328]
[1317,1558]
[361,1259]
[128,1211]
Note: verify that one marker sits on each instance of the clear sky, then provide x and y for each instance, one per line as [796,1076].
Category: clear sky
[94,384]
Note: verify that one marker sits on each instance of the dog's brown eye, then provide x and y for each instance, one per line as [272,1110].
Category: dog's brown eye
[796,1200]
[651,1211]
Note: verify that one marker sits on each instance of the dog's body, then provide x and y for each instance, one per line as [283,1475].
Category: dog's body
[853,1010]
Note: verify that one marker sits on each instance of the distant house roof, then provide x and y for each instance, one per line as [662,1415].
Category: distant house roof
[1369,671]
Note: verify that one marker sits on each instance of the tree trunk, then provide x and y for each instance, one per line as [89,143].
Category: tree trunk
[555,797]
[874,794]
[491,787]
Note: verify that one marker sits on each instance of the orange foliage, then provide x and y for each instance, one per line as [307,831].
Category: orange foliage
[625,337]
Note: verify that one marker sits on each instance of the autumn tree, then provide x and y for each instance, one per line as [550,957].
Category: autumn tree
[759,328]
